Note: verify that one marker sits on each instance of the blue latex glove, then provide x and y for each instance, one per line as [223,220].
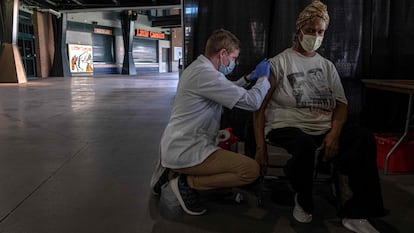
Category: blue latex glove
[262,69]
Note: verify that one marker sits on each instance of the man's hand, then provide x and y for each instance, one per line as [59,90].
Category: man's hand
[262,69]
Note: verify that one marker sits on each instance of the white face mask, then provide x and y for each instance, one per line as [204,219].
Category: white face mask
[310,43]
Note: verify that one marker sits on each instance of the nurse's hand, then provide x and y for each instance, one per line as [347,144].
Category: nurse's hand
[262,69]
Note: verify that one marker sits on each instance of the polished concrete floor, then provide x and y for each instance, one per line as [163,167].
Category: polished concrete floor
[76,156]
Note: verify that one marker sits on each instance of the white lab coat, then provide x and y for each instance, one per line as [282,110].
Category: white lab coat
[191,134]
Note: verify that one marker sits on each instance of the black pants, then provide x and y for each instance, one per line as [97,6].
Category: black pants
[356,160]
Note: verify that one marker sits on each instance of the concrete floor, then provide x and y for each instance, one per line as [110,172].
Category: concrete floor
[76,155]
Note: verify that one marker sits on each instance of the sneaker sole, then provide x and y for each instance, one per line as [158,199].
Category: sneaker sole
[174,187]
[350,227]
[307,220]
[302,220]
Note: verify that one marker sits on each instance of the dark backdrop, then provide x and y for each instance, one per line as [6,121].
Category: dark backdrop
[366,39]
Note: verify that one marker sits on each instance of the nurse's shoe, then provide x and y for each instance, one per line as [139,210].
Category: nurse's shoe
[358,225]
[187,196]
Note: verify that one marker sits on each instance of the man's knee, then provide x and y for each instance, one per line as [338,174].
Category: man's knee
[251,172]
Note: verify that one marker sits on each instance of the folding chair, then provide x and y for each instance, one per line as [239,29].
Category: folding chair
[278,158]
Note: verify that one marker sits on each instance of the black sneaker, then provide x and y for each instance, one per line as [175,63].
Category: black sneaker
[187,196]
[156,190]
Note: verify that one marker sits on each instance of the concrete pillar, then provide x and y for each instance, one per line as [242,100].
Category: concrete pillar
[12,70]
[60,67]
[45,46]
[128,29]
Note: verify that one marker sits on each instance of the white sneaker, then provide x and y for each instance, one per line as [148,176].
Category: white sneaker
[299,214]
[358,225]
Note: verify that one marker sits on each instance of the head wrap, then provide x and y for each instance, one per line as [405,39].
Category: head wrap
[315,9]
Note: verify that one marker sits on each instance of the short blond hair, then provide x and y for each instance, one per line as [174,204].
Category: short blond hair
[221,39]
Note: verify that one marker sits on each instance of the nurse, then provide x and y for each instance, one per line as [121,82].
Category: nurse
[189,143]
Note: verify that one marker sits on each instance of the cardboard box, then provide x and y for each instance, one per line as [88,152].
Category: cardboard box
[402,159]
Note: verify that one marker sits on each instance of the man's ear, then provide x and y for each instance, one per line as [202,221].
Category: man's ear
[222,52]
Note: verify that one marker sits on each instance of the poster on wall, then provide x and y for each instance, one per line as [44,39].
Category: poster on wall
[80,58]
[178,53]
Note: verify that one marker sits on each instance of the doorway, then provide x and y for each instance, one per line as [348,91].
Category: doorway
[164,64]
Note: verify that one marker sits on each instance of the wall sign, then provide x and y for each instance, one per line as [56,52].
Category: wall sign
[142,33]
[102,31]
[149,34]
[157,35]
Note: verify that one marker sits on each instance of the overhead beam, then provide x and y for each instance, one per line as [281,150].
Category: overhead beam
[120,9]
[77,2]
[167,21]
[51,3]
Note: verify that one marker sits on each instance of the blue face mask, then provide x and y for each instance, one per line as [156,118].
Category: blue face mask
[227,69]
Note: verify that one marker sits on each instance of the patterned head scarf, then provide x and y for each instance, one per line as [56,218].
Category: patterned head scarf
[315,9]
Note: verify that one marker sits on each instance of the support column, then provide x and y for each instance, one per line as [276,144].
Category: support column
[60,67]
[12,69]
[127,20]
[44,43]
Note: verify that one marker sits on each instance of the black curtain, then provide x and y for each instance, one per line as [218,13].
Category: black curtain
[369,39]
[392,34]
[267,27]
[389,56]
[248,20]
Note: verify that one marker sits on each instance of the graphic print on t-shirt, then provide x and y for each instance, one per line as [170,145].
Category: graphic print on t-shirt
[311,91]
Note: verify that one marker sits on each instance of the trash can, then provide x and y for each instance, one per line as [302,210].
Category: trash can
[402,159]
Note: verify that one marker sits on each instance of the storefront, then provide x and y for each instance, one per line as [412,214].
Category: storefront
[151,52]
[98,50]
[92,49]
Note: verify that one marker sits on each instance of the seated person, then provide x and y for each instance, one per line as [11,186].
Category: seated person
[305,110]
[189,143]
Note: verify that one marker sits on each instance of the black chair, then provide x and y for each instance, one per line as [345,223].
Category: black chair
[278,158]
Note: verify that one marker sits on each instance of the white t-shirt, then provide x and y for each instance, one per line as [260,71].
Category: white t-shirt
[306,93]
[191,134]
